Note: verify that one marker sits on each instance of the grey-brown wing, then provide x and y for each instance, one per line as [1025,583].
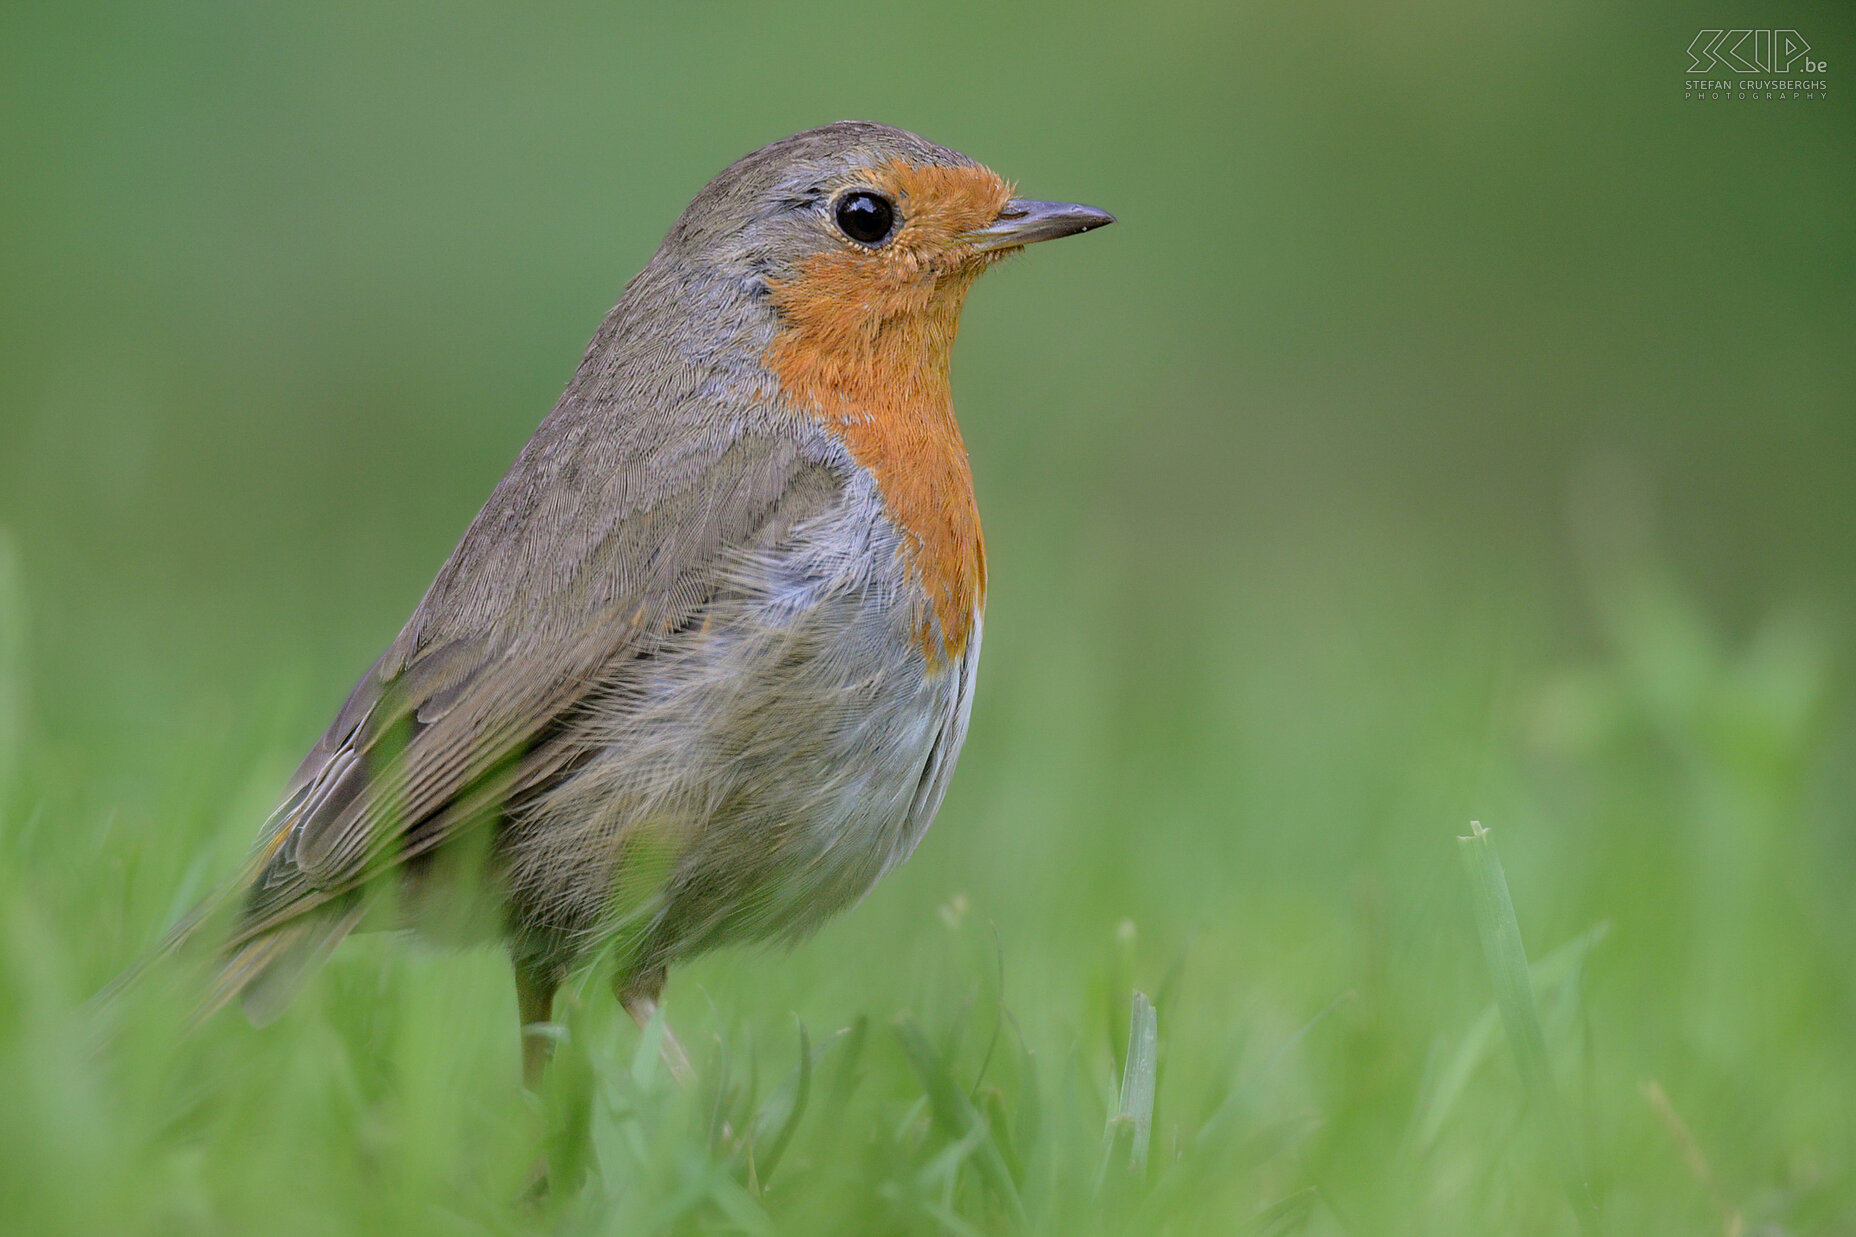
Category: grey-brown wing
[463,712]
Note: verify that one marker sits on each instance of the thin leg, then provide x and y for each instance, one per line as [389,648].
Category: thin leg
[535,1005]
[638,994]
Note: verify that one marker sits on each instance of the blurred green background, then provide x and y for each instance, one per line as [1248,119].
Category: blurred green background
[1458,424]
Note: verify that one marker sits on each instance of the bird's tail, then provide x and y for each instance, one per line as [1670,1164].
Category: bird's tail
[265,971]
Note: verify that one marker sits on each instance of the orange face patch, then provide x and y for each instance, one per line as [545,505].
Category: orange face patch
[865,345]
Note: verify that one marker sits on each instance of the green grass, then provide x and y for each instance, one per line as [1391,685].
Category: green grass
[967,1052]
[1513,980]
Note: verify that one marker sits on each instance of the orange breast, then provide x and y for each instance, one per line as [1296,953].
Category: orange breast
[865,345]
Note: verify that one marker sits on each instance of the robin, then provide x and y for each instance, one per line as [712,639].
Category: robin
[699,670]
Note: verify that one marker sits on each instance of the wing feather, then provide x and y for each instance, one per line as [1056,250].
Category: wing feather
[469,707]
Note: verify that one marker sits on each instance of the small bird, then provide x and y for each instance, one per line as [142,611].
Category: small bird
[699,670]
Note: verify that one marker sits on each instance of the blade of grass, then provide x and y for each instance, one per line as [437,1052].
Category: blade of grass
[780,1116]
[954,1115]
[650,1049]
[1441,1096]
[1290,1215]
[1137,1082]
[1133,1118]
[1514,996]
[848,1050]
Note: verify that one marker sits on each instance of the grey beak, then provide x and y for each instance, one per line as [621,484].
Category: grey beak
[1024,222]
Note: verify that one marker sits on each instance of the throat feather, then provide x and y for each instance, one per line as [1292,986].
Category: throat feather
[872,364]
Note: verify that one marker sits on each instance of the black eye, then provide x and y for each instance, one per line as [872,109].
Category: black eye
[865,217]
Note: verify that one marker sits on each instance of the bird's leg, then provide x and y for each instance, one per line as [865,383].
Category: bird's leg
[638,993]
[535,987]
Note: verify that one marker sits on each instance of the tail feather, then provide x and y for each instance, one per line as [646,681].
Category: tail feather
[266,971]
[242,965]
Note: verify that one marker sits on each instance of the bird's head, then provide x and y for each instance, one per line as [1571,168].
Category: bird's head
[863,239]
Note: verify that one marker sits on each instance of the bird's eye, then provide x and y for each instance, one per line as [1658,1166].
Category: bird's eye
[866,217]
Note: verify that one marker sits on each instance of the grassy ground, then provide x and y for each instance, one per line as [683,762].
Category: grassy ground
[1266,849]
[1455,427]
